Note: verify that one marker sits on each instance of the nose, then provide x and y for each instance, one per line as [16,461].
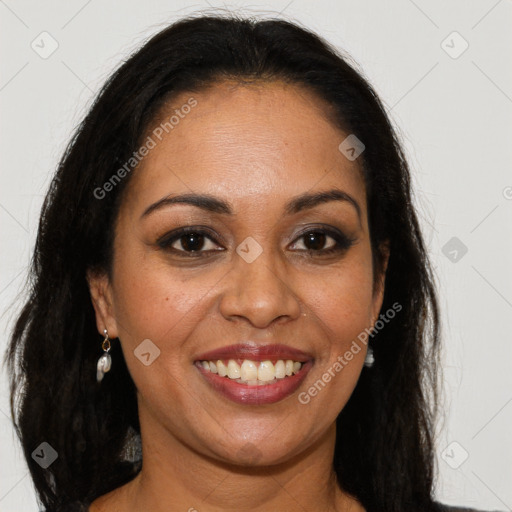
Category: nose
[259,293]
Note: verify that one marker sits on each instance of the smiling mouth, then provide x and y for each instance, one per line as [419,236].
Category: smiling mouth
[253,373]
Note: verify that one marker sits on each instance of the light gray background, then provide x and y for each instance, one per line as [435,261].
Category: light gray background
[453,113]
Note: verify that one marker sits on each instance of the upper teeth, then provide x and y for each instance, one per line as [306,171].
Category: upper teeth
[251,371]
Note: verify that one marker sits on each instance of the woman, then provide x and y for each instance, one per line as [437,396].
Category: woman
[229,269]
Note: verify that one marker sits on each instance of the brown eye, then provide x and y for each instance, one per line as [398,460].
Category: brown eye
[315,240]
[188,241]
[324,241]
[192,241]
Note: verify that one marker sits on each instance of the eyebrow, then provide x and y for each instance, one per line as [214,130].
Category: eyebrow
[215,205]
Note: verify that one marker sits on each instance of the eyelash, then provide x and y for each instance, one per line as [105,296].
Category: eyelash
[165,242]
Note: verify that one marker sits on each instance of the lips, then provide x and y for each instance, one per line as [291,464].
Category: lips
[255,353]
[254,392]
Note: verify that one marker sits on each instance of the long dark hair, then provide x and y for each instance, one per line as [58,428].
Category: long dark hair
[384,448]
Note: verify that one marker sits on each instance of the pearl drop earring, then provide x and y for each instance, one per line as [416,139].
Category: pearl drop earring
[370,358]
[105,361]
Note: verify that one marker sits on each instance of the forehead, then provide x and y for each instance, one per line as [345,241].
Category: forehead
[257,141]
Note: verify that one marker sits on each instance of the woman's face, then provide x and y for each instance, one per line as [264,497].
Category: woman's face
[255,272]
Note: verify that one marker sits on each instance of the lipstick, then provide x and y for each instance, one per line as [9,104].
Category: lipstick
[254,392]
[255,352]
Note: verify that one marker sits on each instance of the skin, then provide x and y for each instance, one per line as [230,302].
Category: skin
[255,146]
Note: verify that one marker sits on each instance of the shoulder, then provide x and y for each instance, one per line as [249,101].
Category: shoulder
[450,508]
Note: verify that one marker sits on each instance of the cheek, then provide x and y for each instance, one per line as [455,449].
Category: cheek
[342,301]
[152,300]
[342,307]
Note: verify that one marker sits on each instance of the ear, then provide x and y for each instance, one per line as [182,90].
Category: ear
[102,301]
[378,293]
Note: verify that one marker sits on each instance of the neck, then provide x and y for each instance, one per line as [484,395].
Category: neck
[175,477]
